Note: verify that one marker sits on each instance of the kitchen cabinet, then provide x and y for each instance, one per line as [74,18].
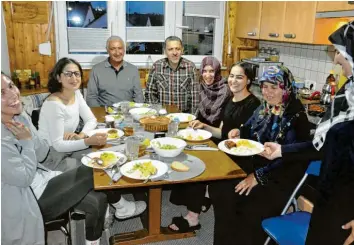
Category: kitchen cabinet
[248,19]
[272,20]
[299,22]
[334,6]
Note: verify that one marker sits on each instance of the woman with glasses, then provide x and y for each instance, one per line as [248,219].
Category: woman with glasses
[281,118]
[60,116]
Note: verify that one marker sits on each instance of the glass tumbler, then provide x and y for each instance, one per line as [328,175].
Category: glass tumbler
[132,147]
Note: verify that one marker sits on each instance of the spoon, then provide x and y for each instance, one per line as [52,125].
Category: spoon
[98,161]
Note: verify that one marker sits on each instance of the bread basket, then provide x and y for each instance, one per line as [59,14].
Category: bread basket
[155,123]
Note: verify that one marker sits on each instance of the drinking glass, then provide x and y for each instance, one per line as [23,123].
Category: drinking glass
[132,147]
[124,107]
[173,128]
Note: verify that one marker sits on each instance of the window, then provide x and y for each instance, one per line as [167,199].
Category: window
[82,28]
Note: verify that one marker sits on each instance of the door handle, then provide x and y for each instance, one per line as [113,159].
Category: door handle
[273,34]
[251,34]
[290,35]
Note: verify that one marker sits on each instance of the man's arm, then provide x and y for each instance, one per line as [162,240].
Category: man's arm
[138,92]
[151,93]
[194,91]
[92,90]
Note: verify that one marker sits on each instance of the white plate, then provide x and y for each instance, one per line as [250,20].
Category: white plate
[242,151]
[161,169]
[133,104]
[87,161]
[138,113]
[105,130]
[182,117]
[194,133]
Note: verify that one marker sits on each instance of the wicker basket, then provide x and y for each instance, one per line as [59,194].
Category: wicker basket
[155,124]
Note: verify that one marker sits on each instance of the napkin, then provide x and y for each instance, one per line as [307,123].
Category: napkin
[115,177]
[203,148]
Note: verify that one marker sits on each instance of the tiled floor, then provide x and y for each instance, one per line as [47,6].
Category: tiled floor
[204,236]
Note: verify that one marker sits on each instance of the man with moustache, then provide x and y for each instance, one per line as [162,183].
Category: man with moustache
[114,80]
[173,80]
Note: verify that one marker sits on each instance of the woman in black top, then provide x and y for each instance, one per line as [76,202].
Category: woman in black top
[237,111]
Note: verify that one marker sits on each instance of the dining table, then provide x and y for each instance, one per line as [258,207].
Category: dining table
[218,166]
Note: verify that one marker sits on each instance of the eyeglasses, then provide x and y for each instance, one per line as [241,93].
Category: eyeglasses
[69,74]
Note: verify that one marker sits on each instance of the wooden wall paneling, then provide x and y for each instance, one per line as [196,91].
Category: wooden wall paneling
[9,34]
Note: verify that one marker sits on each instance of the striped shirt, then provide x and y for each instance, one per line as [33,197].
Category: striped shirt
[173,87]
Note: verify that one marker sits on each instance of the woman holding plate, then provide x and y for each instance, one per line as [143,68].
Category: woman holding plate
[238,110]
[281,118]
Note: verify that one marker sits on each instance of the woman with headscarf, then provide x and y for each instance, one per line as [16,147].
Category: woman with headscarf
[333,143]
[237,110]
[281,118]
[214,92]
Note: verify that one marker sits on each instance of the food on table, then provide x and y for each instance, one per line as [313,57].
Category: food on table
[112,134]
[146,142]
[190,118]
[166,146]
[110,110]
[316,108]
[230,144]
[146,105]
[131,104]
[245,143]
[116,117]
[149,113]
[145,168]
[179,167]
[191,137]
[107,157]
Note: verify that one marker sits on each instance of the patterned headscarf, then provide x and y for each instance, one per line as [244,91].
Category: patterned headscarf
[213,96]
[342,108]
[275,120]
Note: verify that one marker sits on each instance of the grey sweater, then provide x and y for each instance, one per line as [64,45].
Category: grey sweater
[21,221]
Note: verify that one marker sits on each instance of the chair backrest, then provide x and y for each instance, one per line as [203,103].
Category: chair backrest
[313,169]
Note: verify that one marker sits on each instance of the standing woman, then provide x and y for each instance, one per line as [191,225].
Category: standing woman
[60,115]
[214,92]
[333,143]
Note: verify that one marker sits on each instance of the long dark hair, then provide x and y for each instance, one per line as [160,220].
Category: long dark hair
[53,84]
[247,69]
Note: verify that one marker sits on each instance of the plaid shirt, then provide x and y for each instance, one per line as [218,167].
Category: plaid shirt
[169,87]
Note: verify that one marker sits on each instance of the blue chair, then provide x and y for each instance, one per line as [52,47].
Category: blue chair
[291,229]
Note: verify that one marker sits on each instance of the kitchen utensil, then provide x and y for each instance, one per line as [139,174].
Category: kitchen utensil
[98,161]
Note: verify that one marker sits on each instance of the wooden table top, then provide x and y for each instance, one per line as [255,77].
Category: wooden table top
[218,166]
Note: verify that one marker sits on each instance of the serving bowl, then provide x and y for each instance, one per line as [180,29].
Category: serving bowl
[156,144]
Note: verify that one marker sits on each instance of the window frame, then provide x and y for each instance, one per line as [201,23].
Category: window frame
[116,22]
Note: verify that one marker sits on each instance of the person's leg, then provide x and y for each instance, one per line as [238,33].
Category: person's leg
[192,196]
[64,191]
[60,161]
[125,209]
[94,204]
[334,207]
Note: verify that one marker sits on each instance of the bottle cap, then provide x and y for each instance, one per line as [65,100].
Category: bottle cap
[331,72]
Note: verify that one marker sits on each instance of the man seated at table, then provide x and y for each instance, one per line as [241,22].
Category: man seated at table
[114,80]
[173,80]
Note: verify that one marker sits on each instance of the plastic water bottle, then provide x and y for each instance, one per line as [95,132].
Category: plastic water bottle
[173,127]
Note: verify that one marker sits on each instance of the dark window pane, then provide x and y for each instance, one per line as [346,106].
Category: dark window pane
[86,14]
[144,13]
[198,39]
[144,48]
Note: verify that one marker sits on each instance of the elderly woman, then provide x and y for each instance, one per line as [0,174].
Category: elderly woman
[333,143]
[214,92]
[237,110]
[281,118]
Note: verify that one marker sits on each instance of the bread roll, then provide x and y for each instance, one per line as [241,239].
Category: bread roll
[179,167]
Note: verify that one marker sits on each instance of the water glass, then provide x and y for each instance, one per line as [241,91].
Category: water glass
[132,147]
[173,128]
[124,107]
